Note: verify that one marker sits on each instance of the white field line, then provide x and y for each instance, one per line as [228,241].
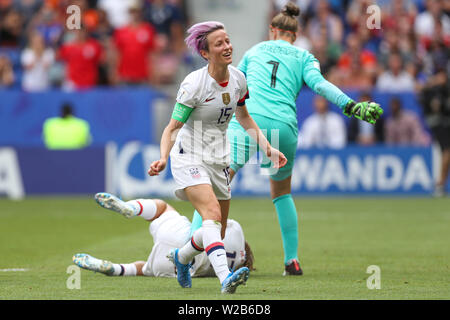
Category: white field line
[13,270]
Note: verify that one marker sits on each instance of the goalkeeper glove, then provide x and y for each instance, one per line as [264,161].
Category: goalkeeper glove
[366,111]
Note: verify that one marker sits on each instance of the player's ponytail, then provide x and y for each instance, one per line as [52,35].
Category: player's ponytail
[286,22]
[290,9]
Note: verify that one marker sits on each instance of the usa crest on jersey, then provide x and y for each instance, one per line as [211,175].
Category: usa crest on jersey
[226,98]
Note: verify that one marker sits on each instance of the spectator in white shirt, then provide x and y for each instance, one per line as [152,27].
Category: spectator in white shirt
[395,79]
[117,11]
[36,60]
[323,129]
[425,21]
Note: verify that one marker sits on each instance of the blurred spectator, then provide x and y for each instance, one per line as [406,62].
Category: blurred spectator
[5,6]
[36,61]
[117,11]
[391,43]
[356,9]
[28,9]
[136,46]
[7,76]
[168,21]
[403,127]
[398,13]
[424,24]
[11,27]
[356,68]
[326,22]
[323,129]
[395,78]
[364,133]
[103,30]
[435,100]
[48,22]
[320,51]
[67,131]
[82,56]
[357,18]
[103,33]
[436,57]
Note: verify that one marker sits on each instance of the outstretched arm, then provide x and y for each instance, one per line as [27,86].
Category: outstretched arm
[366,111]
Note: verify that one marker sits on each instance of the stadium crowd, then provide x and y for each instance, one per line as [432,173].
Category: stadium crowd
[122,41]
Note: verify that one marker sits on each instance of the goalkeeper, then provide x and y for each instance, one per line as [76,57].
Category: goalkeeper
[276,71]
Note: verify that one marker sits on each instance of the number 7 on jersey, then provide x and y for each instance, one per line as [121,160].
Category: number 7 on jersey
[273,80]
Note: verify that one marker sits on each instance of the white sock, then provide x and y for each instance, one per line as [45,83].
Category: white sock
[215,249]
[146,208]
[128,269]
[192,247]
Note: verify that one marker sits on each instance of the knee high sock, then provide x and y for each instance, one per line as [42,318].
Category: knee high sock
[287,218]
[215,249]
[192,247]
[208,237]
[196,222]
[128,269]
[145,208]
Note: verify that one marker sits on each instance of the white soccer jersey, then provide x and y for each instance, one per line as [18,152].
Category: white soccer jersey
[203,137]
[172,230]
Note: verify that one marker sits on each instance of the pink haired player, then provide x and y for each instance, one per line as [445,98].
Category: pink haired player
[199,149]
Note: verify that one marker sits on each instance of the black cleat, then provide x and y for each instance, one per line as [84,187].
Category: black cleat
[292,268]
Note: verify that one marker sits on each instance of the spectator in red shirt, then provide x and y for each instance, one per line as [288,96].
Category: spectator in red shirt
[356,67]
[367,60]
[136,44]
[83,57]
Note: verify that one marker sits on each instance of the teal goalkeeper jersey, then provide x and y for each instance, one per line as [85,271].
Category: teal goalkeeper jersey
[276,71]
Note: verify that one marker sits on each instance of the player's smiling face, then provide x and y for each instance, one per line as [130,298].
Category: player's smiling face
[220,50]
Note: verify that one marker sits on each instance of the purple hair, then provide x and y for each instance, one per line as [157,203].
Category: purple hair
[196,40]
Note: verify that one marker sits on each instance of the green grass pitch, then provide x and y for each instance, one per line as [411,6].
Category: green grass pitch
[408,238]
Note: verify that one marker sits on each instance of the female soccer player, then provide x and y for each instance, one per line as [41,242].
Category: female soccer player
[199,150]
[169,229]
[275,72]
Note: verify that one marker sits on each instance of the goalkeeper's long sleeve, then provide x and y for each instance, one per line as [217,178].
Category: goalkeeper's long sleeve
[314,79]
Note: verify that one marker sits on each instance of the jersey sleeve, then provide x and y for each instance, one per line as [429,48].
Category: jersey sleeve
[314,79]
[187,94]
[243,90]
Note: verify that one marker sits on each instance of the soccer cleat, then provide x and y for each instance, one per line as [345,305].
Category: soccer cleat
[111,202]
[292,268]
[183,272]
[88,262]
[235,279]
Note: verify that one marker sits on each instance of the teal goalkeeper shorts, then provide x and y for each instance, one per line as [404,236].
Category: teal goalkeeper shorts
[281,136]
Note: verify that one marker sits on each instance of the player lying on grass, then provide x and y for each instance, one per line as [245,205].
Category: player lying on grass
[169,230]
